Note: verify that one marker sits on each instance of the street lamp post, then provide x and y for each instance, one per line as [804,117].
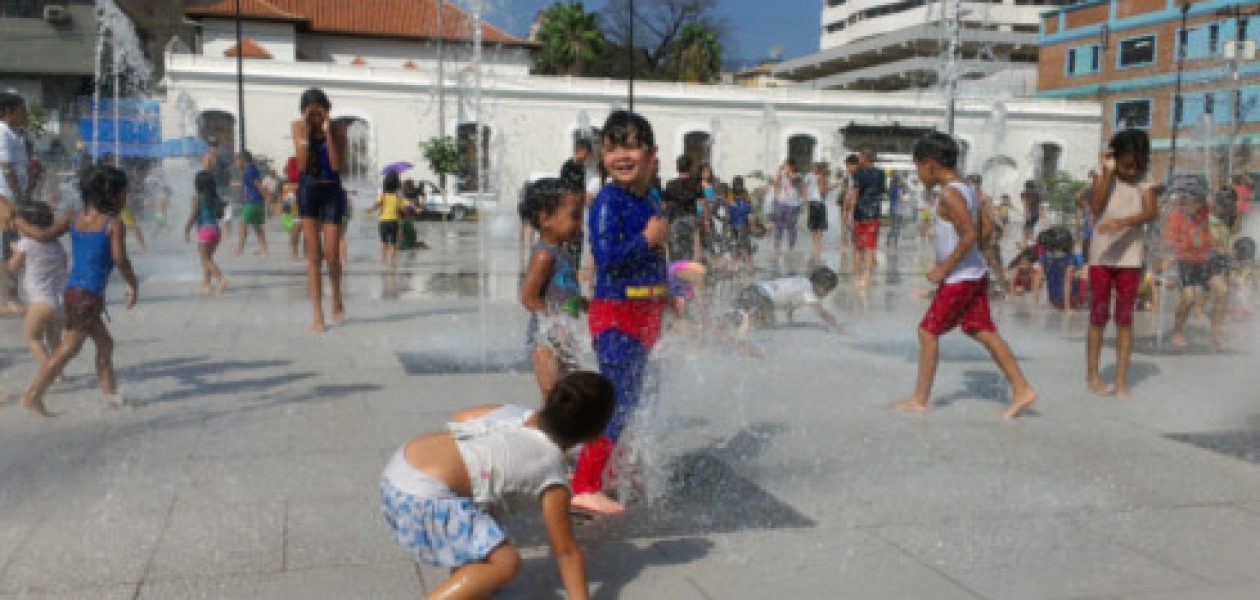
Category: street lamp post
[1239,50]
[630,45]
[1177,101]
[240,81]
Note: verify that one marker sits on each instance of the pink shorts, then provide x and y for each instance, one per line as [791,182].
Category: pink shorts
[964,303]
[1101,281]
[208,234]
[866,234]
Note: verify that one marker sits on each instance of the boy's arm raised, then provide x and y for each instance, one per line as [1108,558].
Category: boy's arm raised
[555,509]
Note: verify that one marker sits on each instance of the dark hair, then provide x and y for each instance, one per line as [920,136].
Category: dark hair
[851,159]
[683,164]
[868,153]
[582,144]
[824,279]
[10,101]
[1057,239]
[204,184]
[36,213]
[737,186]
[622,126]
[391,183]
[577,409]
[244,154]
[543,198]
[1132,142]
[102,187]
[1225,206]
[314,96]
[936,146]
[1028,254]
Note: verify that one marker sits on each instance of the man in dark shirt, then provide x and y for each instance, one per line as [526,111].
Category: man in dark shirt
[866,198]
[681,196]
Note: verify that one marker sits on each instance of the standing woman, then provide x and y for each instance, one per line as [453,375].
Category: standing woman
[206,211]
[320,146]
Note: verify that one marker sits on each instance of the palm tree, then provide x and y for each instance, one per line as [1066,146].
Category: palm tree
[697,55]
[572,40]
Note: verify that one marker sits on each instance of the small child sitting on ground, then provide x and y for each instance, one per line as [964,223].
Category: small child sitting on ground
[435,489]
[1025,273]
[756,304]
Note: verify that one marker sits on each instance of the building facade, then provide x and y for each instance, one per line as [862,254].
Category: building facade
[1126,56]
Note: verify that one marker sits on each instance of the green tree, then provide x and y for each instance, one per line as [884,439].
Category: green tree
[1061,192]
[572,40]
[443,154]
[697,54]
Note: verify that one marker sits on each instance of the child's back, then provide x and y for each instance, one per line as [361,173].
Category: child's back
[45,279]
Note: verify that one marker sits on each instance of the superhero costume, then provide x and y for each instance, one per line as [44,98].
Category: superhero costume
[630,297]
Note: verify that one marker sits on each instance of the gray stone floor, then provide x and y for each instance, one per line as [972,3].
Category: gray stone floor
[246,465]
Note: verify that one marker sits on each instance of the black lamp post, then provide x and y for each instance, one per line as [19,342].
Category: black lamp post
[1177,101]
[240,82]
[630,47]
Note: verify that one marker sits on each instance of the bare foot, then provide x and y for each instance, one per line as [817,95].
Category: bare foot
[1099,388]
[114,400]
[339,315]
[205,289]
[1178,339]
[1019,402]
[318,327]
[35,406]
[598,503]
[911,405]
[1122,392]
[223,283]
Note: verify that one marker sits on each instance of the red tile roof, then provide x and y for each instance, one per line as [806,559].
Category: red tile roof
[252,50]
[387,18]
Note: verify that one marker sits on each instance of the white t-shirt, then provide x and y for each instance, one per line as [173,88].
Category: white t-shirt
[504,457]
[789,292]
[812,191]
[13,151]
[45,279]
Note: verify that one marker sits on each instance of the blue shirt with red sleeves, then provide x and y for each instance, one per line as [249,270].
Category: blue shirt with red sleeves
[626,268]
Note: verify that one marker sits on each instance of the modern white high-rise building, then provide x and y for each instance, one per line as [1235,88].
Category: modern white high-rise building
[903,44]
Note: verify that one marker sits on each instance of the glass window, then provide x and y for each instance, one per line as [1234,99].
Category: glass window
[1071,61]
[1133,113]
[475,157]
[1137,51]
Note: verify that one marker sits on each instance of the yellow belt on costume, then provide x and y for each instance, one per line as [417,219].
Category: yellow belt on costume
[636,292]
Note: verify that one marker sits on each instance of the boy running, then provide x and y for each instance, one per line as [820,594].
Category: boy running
[960,271]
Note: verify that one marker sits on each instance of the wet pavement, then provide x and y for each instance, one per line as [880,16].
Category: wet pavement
[246,464]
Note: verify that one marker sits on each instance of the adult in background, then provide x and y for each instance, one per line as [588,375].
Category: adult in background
[867,194]
[895,191]
[253,209]
[815,186]
[786,204]
[320,147]
[1032,210]
[851,164]
[16,186]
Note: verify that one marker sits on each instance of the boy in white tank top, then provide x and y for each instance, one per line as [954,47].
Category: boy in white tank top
[962,297]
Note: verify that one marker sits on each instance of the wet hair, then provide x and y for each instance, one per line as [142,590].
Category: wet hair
[39,214]
[102,188]
[582,144]
[1026,254]
[823,279]
[723,190]
[622,126]
[1132,142]
[706,166]
[205,185]
[938,147]
[246,156]
[1057,239]
[391,183]
[683,164]
[737,187]
[314,96]
[852,159]
[577,409]
[10,101]
[542,198]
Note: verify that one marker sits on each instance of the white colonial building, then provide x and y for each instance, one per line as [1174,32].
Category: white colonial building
[388,87]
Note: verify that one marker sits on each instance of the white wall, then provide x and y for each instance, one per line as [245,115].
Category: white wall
[219,36]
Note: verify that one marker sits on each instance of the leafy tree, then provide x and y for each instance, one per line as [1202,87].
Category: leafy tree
[443,154]
[697,55]
[658,25]
[572,40]
[1062,190]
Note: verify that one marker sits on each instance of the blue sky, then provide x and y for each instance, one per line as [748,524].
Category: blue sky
[756,25]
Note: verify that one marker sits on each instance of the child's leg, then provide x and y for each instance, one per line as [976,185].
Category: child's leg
[310,235]
[139,236]
[1100,283]
[243,233]
[1189,296]
[38,314]
[207,269]
[1022,392]
[215,271]
[929,357]
[333,237]
[104,356]
[1093,352]
[480,579]
[1219,292]
[262,239]
[70,346]
[53,328]
[1126,283]
[1124,351]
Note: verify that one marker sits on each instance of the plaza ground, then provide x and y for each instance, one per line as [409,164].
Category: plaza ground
[247,463]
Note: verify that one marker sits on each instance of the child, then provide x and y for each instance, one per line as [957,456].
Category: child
[388,204]
[741,226]
[1242,277]
[289,208]
[207,209]
[1188,231]
[1026,274]
[98,242]
[627,243]
[45,282]
[436,488]
[960,271]
[550,291]
[254,205]
[757,303]
[1123,201]
[1059,266]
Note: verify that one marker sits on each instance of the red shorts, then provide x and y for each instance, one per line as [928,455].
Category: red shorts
[965,303]
[1125,282]
[640,319]
[866,234]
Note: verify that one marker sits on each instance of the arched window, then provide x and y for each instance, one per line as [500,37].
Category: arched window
[1046,164]
[218,126]
[475,158]
[697,146]
[358,160]
[800,151]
